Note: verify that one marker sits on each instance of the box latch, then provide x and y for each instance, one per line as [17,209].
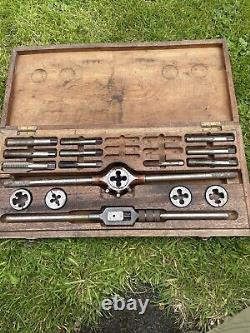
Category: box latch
[26,130]
[211,126]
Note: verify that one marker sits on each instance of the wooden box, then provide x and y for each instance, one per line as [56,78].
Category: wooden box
[143,101]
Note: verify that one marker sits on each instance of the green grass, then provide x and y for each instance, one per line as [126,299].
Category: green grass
[48,285]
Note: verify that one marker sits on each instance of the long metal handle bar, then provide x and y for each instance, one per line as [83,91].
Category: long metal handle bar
[50,182]
[190,176]
[165,216]
[95,180]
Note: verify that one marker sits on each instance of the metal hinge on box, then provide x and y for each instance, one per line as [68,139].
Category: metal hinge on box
[211,126]
[26,130]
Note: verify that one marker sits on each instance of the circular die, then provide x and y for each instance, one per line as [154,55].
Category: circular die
[180,196]
[118,179]
[20,199]
[216,196]
[55,198]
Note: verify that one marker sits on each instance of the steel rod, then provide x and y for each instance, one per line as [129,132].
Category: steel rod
[50,182]
[50,218]
[213,163]
[26,153]
[209,138]
[190,176]
[74,164]
[77,153]
[81,141]
[195,216]
[31,141]
[167,163]
[213,151]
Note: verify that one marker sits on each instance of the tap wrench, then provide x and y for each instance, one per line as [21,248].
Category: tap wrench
[118,216]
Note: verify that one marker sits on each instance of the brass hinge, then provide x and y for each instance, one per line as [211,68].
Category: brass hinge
[26,130]
[211,126]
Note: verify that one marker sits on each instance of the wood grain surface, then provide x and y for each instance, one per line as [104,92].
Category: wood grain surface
[142,99]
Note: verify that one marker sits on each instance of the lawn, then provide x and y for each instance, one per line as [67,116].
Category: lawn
[48,285]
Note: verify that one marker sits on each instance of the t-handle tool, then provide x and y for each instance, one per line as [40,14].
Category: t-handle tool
[119,216]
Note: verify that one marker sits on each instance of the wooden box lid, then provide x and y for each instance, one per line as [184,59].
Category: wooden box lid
[120,86]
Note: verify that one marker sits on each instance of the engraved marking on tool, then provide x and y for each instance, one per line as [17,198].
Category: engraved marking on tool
[20,199]
[216,196]
[55,198]
[180,196]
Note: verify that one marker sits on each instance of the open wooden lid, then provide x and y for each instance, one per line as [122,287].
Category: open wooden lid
[133,85]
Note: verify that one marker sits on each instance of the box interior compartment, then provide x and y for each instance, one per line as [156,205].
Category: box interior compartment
[143,101]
